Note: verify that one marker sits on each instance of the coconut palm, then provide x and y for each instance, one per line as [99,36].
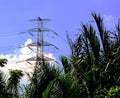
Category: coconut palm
[110,41]
[3,91]
[13,82]
[42,76]
[64,86]
[95,54]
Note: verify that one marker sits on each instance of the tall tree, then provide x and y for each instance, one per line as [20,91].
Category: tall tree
[95,57]
[13,82]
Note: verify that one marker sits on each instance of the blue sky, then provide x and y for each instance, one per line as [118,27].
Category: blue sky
[66,15]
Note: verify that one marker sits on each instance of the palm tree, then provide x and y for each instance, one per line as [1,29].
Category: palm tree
[42,76]
[13,82]
[3,91]
[64,86]
[110,42]
[95,54]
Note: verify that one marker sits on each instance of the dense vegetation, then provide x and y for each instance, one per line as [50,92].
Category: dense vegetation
[92,70]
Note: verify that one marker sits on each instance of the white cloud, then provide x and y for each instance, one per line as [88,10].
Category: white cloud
[50,55]
[109,21]
[18,59]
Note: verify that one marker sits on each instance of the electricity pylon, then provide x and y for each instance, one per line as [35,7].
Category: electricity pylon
[40,43]
[40,58]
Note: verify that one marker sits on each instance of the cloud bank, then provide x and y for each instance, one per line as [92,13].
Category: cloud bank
[18,59]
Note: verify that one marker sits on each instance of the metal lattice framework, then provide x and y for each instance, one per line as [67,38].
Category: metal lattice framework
[40,39]
[39,43]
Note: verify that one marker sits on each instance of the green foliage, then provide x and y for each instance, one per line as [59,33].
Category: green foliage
[113,92]
[2,85]
[46,93]
[42,76]
[95,57]
[66,64]
[70,87]
[13,82]
[64,86]
[3,62]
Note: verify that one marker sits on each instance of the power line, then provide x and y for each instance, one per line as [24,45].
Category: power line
[7,34]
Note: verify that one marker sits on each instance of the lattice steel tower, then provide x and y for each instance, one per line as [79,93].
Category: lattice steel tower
[40,39]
